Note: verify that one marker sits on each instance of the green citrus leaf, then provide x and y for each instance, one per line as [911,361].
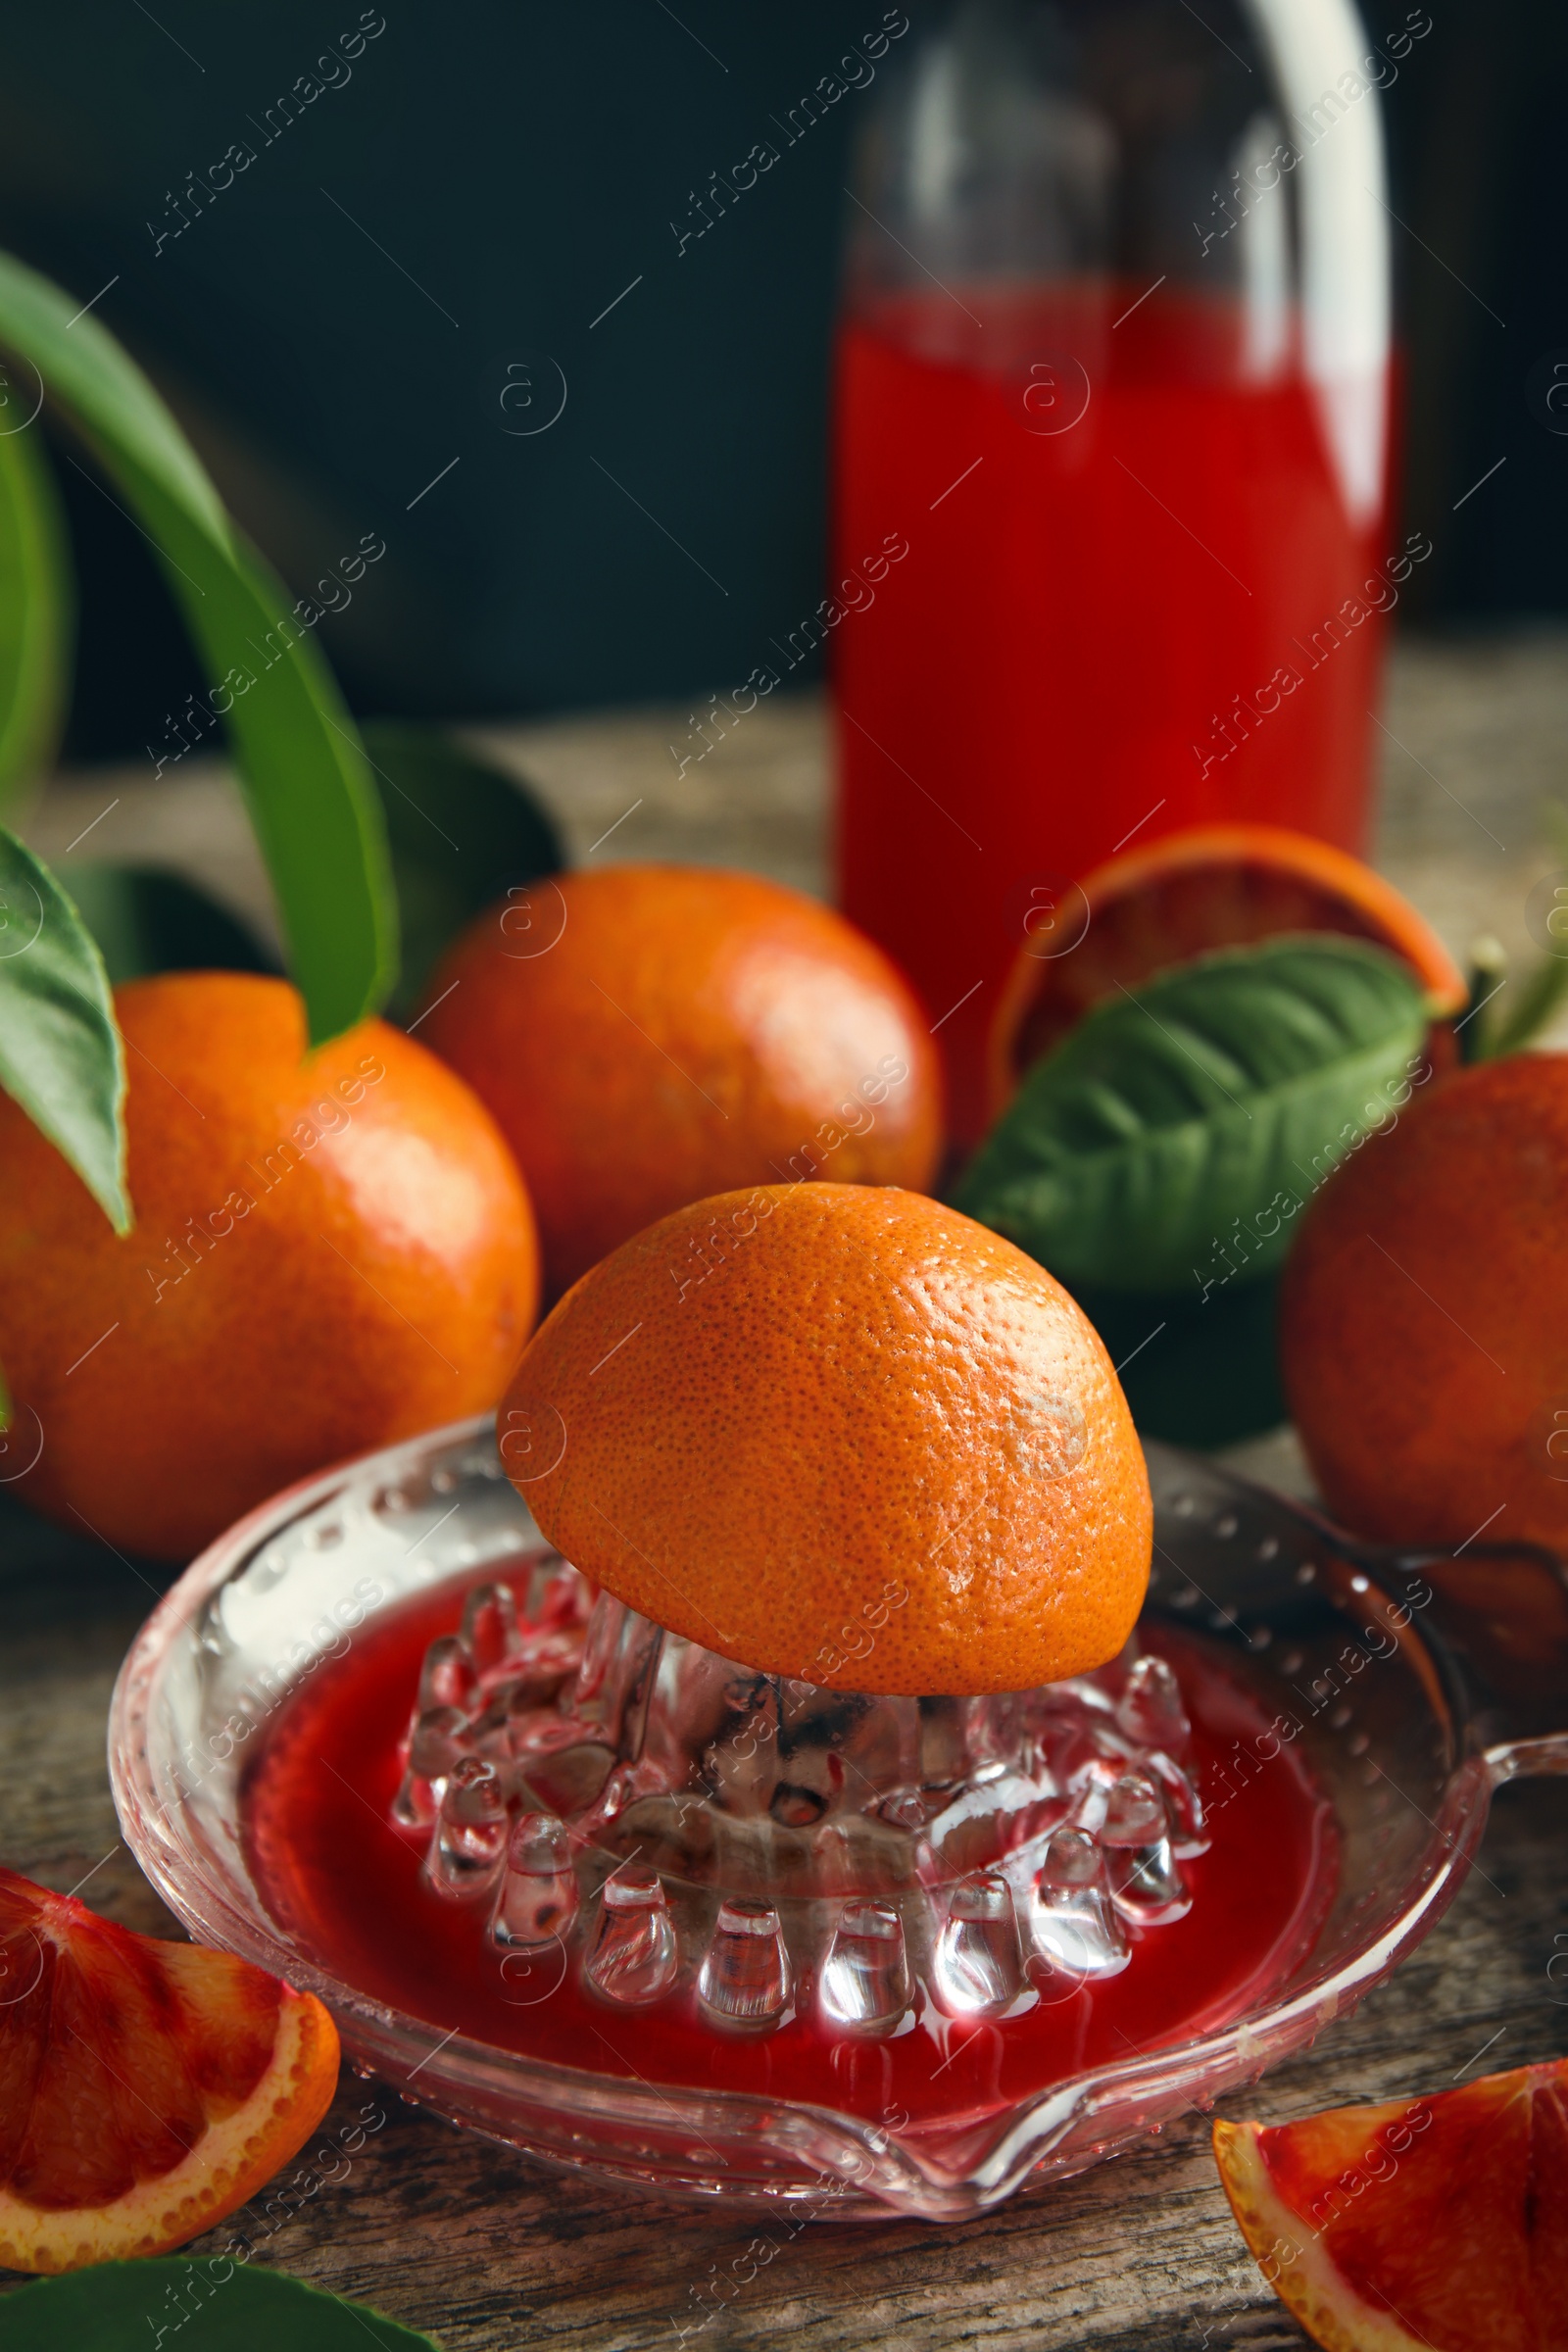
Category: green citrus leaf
[59,1053]
[36,601]
[148,919]
[1195,1370]
[211,2304]
[1172,1137]
[1538,996]
[298,758]
[461,831]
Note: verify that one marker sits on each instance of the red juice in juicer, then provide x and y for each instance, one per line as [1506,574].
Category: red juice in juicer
[1113,373]
[1008,1940]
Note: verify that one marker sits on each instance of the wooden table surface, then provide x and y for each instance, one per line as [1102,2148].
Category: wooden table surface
[492,2254]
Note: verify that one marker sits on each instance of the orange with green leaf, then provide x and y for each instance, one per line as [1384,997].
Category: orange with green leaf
[332,1249]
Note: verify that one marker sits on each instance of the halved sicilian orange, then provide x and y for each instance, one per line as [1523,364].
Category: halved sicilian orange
[1430,2225]
[1207,887]
[146,2088]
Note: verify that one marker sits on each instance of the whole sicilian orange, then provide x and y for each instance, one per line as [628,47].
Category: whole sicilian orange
[648,1034]
[1424,1315]
[843,1433]
[331,1250]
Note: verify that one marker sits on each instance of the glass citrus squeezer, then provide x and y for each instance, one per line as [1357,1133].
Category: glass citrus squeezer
[581,1885]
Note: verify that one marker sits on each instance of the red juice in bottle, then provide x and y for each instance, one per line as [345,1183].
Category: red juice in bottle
[1104,567]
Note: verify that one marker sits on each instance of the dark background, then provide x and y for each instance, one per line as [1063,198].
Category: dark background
[516,166]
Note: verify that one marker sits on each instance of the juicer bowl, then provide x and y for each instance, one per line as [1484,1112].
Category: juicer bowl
[672,1827]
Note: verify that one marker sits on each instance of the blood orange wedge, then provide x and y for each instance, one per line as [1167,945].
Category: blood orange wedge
[146,2088]
[1211,886]
[1437,2225]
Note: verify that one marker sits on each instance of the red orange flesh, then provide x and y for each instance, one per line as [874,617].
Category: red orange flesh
[146,2088]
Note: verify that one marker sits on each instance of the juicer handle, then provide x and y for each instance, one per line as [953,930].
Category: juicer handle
[1502,1612]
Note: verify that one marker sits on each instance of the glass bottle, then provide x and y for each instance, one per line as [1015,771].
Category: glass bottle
[1111,460]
